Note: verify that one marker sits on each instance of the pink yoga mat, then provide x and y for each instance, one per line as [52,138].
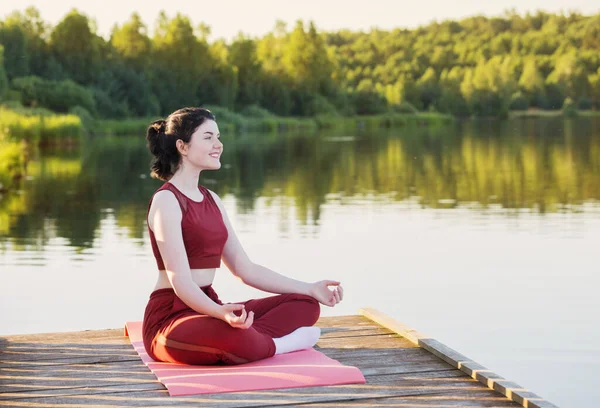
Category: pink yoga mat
[306,368]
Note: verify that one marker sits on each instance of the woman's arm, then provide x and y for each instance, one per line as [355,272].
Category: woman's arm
[263,278]
[165,220]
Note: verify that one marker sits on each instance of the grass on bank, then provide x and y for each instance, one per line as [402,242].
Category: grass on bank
[235,123]
[24,129]
[42,126]
[12,163]
[45,127]
[540,113]
[38,126]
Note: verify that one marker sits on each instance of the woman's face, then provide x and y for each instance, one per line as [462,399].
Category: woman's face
[204,149]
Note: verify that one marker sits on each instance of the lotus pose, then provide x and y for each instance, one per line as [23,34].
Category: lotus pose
[190,233]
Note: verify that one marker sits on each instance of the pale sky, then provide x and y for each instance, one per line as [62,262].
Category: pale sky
[257,17]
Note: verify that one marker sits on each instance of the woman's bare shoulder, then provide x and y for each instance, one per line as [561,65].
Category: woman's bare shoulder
[165,200]
[215,196]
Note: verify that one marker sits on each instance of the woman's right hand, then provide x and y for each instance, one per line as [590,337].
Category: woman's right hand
[244,321]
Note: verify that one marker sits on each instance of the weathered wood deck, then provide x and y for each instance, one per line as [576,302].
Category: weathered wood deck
[100,369]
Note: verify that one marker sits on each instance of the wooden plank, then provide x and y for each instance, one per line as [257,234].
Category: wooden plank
[66,347]
[405,368]
[65,354]
[401,353]
[113,368]
[351,321]
[413,397]
[70,360]
[369,366]
[93,347]
[353,332]
[21,373]
[432,378]
[391,387]
[492,380]
[384,341]
[394,325]
[466,398]
[81,337]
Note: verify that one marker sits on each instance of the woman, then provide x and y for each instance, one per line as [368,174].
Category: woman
[184,321]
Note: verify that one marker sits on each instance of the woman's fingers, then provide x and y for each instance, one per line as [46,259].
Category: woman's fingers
[249,321]
[336,294]
[327,293]
[331,297]
[243,321]
[340,292]
[233,307]
[244,324]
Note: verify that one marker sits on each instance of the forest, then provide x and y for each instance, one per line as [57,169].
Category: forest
[478,66]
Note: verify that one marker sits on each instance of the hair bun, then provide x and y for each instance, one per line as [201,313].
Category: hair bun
[160,126]
[155,129]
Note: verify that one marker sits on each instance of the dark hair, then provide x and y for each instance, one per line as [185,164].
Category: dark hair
[163,134]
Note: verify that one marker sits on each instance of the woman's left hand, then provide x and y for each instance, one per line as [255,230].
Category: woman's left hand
[329,297]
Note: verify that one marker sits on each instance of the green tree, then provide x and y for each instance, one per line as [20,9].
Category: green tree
[403,90]
[181,63]
[531,83]
[569,75]
[222,86]
[121,91]
[203,31]
[76,47]
[59,96]
[594,80]
[429,90]
[451,99]
[270,50]
[16,55]
[276,95]
[3,78]
[132,43]
[243,56]
[488,87]
[39,61]
[590,34]
[306,61]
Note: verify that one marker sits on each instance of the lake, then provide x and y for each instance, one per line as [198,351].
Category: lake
[479,234]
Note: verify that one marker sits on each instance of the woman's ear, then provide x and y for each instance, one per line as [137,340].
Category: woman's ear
[181,147]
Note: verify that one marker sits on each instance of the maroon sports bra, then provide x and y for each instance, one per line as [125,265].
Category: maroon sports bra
[202,226]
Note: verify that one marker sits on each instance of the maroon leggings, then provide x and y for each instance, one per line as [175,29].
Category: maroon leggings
[177,334]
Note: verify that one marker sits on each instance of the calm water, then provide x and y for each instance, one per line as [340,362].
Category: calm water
[481,235]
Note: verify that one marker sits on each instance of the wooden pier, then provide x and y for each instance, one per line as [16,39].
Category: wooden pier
[403,368]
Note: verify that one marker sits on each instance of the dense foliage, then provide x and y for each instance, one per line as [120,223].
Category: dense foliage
[477,66]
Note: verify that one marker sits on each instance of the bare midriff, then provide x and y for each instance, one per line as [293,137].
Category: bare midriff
[201,277]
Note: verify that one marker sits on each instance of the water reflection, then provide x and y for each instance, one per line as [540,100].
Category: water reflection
[540,165]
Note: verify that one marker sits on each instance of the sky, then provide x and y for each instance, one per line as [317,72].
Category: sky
[257,17]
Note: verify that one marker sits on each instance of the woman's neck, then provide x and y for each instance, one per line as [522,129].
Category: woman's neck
[186,181]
